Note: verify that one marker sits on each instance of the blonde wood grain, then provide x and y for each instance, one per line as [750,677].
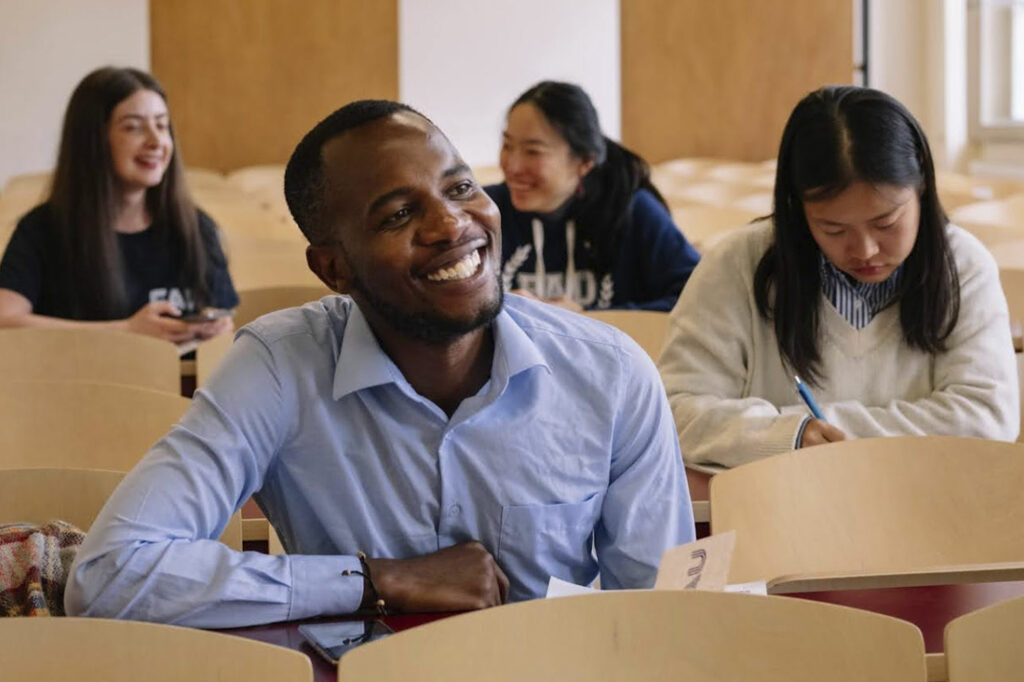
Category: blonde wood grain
[944,575]
[719,79]
[209,355]
[82,424]
[246,80]
[252,304]
[42,495]
[648,328]
[262,300]
[685,635]
[89,355]
[936,664]
[73,495]
[985,646]
[95,650]
[873,506]
[258,263]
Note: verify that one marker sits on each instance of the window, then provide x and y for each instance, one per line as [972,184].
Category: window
[995,34]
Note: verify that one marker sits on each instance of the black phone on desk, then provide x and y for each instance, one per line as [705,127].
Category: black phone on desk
[333,640]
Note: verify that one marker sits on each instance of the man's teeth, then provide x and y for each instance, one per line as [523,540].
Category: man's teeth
[462,269]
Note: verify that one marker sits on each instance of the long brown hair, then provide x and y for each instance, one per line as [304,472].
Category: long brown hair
[836,136]
[84,201]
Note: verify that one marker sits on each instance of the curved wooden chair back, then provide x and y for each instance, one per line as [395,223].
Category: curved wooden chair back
[257,263]
[686,635]
[252,304]
[648,328]
[73,495]
[95,650]
[985,646]
[259,301]
[42,495]
[89,355]
[82,424]
[259,179]
[1012,279]
[705,225]
[874,506]
[208,356]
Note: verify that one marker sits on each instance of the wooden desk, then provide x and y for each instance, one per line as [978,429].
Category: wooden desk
[700,497]
[287,635]
[929,608]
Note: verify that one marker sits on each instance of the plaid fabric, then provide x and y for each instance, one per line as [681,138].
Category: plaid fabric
[34,563]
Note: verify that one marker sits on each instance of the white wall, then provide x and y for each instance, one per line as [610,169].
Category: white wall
[898,52]
[463,62]
[918,54]
[46,47]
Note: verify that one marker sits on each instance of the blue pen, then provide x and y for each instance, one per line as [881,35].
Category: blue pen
[808,399]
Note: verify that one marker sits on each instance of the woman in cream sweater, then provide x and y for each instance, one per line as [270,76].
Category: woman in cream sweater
[857,284]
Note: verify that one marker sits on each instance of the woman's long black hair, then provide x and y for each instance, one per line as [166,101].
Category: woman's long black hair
[84,202]
[836,136]
[602,210]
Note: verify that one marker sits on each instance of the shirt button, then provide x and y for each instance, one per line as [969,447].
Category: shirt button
[454,510]
[857,305]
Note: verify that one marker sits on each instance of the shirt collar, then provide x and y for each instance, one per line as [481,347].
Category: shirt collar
[363,364]
[834,278]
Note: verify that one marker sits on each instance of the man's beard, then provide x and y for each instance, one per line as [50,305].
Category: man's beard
[428,327]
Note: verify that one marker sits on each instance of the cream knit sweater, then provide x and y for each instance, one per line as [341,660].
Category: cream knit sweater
[734,401]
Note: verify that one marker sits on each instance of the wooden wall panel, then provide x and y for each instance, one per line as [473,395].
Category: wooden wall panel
[718,78]
[246,79]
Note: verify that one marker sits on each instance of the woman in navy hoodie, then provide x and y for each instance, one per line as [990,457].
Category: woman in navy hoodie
[587,204]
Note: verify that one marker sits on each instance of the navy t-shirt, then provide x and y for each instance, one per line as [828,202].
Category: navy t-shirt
[30,268]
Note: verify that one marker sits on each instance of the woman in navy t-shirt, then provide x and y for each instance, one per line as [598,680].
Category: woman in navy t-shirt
[118,243]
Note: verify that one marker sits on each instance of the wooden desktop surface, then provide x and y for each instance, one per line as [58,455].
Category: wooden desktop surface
[287,635]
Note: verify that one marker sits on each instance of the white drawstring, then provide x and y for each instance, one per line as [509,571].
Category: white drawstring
[539,271]
[570,268]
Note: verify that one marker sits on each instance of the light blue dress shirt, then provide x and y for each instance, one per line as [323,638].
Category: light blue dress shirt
[565,463]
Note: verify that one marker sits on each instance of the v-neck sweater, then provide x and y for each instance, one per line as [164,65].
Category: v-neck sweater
[734,399]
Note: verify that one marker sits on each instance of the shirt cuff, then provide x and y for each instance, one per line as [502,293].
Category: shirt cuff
[800,433]
[319,589]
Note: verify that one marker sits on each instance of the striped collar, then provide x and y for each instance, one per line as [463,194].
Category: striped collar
[857,302]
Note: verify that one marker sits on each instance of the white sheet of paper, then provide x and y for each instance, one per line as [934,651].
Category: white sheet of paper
[561,588]
[756,587]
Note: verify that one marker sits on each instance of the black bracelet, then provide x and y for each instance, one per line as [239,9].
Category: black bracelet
[365,573]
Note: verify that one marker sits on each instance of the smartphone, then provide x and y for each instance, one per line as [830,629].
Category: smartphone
[333,640]
[207,315]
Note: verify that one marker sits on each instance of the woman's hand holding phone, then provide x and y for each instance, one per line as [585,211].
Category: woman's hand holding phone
[163,320]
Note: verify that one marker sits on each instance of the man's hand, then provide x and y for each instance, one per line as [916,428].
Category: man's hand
[818,432]
[459,578]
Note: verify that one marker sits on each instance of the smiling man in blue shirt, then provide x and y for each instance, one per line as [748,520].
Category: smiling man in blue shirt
[470,447]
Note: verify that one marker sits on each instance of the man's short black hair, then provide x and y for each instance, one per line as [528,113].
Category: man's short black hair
[304,185]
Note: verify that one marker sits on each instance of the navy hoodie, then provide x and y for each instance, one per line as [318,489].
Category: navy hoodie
[653,263]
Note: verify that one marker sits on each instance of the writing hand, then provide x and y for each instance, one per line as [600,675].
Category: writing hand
[463,577]
[818,432]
